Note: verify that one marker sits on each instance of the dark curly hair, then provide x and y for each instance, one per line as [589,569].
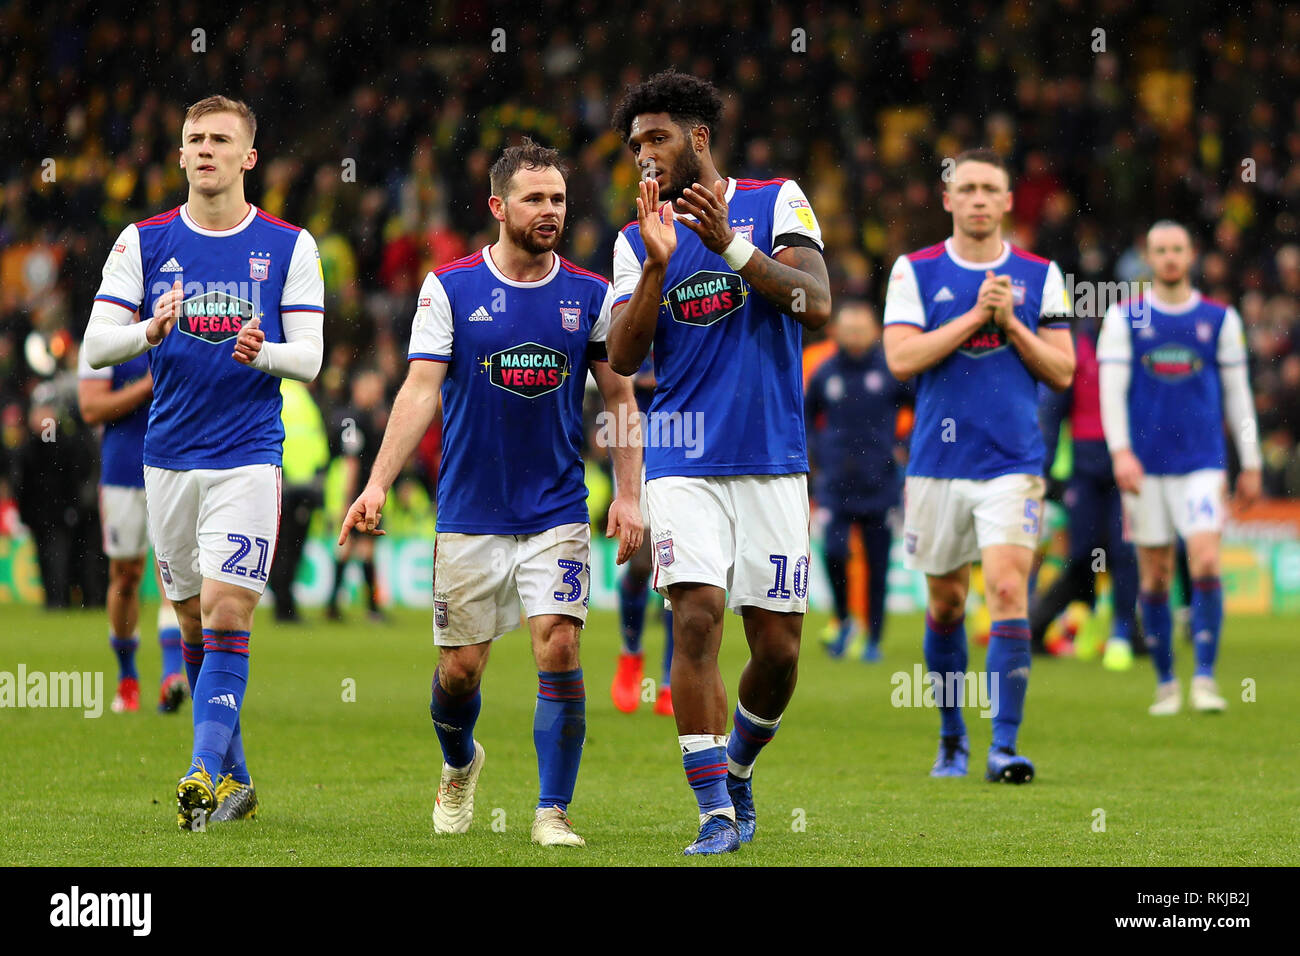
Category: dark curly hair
[689,100]
[527,155]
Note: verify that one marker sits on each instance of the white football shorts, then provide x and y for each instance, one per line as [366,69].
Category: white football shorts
[947,522]
[747,534]
[218,523]
[479,581]
[1181,505]
[124,520]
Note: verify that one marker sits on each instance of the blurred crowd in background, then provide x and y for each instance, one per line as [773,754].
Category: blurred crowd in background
[377,126]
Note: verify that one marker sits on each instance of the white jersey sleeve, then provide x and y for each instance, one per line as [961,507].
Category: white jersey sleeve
[903,296]
[627,268]
[1113,342]
[431,329]
[112,335]
[1232,339]
[1114,374]
[600,329]
[302,316]
[1234,380]
[793,216]
[122,283]
[1056,300]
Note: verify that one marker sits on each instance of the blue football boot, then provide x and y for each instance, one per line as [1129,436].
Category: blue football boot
[954,754]
[1006,766]
[717,835]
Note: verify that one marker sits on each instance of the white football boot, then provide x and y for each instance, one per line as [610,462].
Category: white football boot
[551,827]
[1204,696]
[453,811]
[1168,700]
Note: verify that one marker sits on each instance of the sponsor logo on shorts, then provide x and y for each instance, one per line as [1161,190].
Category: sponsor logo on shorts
[165,571]
[664,552]
[909,542]
[440,614]
[528,370]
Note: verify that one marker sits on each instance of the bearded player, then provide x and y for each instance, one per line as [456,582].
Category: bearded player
[506,337]
[236,302]
[1173,367]
[719,280]
[978,323]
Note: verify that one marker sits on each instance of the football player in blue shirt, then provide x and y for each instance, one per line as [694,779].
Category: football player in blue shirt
[1173,368]
[978,323]
[720,281]
[505,337]
[118,398]
[235,298]
[856,478]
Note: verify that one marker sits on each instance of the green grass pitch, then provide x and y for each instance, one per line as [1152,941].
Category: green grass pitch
[845,782]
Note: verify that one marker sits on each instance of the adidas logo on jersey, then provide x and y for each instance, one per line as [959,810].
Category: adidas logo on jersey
[480,315]
[225,700]
[171,265]
[943,295]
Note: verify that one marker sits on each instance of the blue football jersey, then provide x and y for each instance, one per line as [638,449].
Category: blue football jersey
[727,363]
[208,410]
[1175,397]
[977,410]
[121,449]
[517,356]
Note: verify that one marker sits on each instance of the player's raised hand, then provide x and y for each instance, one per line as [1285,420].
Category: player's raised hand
[165,313]
[249,342]
[1249,485]
[365,514]
[709,207]
[1128,471]
[656,222]
[625,521]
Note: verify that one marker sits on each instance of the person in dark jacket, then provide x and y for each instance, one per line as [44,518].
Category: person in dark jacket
[851,406]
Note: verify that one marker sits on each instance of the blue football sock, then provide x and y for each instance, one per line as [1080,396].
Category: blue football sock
[1207,622]
[631,611]
[453,720]
[559,731]
[125,648]
[945,653]
[1121,628]
[1008,664]
[668,648]
[749,735]
[1158,625]
[192,655]
[170,642]
[705,760]
[218,696]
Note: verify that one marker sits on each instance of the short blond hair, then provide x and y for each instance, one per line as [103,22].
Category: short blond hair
[224,104]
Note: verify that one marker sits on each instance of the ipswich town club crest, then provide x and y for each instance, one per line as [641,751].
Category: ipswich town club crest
[440,614]
[259,269]
[569,318]
[664,552]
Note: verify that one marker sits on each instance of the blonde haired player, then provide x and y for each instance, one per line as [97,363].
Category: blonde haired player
[235,300]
